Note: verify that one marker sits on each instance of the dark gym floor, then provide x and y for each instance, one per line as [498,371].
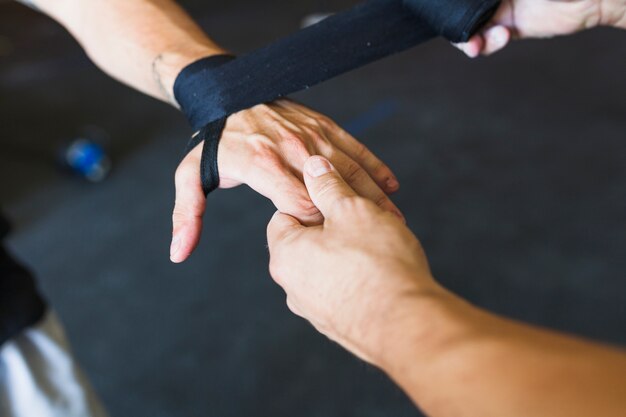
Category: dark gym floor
[513,171]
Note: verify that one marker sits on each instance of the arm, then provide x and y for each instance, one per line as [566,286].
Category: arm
[146,43]
[523,19]
[363,280]
[142,43]
[470,362]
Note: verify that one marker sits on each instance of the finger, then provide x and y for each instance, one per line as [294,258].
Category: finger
[473,47]
[342,140]
[362,183]
[377,169]
[325,185]
[273,180]
[495,38]
[279,231]
[188,210]
[280,227]
[347,144]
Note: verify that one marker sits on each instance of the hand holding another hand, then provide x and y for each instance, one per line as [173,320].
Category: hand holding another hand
[522,19]
[266,147]
[353,273]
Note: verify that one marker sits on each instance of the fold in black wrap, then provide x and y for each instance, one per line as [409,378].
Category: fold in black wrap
[213,88]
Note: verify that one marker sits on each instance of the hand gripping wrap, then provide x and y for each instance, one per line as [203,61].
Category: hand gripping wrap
[213,88]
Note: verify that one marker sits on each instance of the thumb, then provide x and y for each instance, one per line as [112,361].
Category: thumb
[280,228]
[188,211]
[325,185]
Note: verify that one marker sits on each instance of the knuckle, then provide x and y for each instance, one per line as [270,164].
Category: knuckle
[274,267]
[324,146]
[353,172]
[379,168]
[325,123]
[317,139]
[179,220]
[361,151]
[304,207]
[352,204]
[312,133]
[292,307]
[268,111]
[277,270]
[330,186]
[345,204]
[260,143]
[295,142]
[180,216]
[185,175]
[188,210]
[264,153]
[381,200]
[180,171]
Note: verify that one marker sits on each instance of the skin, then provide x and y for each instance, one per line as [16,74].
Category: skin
[378,299]
[146,43]
[525,19]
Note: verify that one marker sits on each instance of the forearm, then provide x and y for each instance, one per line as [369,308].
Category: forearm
[142,43]
[455,360]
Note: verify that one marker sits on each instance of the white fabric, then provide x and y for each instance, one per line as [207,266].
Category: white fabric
[40,378]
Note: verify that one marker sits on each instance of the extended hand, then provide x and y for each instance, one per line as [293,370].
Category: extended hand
[266,147]
[518,19]
[352,272]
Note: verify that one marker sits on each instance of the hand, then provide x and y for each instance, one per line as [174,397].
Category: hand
[265,147]
[518,19]
[350,275]
[362,279]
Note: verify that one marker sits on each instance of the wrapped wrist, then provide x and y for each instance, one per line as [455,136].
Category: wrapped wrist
[212,89]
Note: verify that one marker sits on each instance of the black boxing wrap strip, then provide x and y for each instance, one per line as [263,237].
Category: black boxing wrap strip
[210,135]
[213,88]
[455,20]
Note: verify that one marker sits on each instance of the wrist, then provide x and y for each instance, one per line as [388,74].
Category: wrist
[431,328]
[412,325]
[613,13]
[168,65]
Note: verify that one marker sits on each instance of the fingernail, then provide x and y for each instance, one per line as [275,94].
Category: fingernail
[318,166]
[174,247]
[392,184]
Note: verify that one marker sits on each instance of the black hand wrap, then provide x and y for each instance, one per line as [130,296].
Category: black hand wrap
[213,88]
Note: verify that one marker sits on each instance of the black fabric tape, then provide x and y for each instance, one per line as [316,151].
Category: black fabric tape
[210,135]
[455,20]
[213,88]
